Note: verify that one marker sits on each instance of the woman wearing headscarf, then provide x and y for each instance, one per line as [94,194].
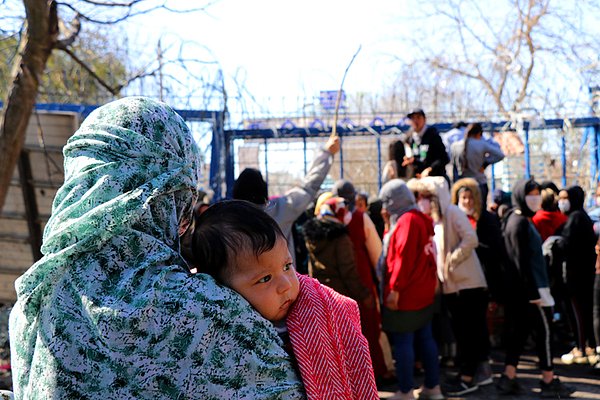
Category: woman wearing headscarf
[111,310]
[407,274]
[580,257]
[331,255]
[529,305]
[463,284]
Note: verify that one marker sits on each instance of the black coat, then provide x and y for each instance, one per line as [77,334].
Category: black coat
[430,153]
[579,244]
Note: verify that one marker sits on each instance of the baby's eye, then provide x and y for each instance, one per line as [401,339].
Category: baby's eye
[288,266]
[264,279]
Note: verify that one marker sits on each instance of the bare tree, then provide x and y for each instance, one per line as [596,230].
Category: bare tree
[48,26]
[522,54]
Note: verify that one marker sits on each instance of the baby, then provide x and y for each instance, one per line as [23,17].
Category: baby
[243,248]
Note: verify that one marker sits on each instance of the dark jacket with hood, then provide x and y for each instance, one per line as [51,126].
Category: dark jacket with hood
[526,267]
[579,243]
[331,258]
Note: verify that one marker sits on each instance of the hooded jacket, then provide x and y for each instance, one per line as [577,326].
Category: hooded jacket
[579,242]
[408,261]
[491,251]
[331,257]
[460,267]
[526,267]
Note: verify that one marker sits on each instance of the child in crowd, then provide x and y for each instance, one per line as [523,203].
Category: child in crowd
[244,248]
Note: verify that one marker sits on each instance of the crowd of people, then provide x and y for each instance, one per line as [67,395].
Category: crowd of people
[142,292]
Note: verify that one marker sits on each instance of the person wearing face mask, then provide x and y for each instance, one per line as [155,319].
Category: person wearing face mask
[529,306]
[407,276]
[580,258]
[564,204]
[367,249]
[491,252]
[549,220]
[463,284]
[594,212]
[331,258]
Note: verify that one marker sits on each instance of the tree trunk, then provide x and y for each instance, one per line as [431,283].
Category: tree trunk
[36,45]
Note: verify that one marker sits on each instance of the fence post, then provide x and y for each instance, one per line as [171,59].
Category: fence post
[563,158]
[594,157]
[378,163]
[304,144]
[527,158]
[217,150]
[341,156]
[266,163]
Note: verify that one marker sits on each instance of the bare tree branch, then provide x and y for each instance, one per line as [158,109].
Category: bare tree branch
[72,34]
[113,90]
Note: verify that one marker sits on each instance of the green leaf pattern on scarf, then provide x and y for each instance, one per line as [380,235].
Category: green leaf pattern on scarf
[110,311]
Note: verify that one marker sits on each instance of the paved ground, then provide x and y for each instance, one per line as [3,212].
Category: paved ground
[583,377]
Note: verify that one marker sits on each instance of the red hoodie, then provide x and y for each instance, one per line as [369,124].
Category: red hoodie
[411,265]
[548,222]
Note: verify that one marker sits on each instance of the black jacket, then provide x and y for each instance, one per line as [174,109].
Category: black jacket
[516,227]
[491,253]
[579,243]
[430,153]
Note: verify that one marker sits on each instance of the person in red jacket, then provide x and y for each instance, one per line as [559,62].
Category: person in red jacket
[407,275]
[549,219]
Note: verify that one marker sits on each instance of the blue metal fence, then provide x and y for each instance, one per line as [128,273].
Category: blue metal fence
[563,159]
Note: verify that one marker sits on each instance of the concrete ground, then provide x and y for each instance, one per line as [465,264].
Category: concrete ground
[583,378]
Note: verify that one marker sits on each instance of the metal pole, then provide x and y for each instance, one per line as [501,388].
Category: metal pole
[305,160]
[379,162]
[594,157]
[217,150]
[563,159]
[341,156]
[527,158]
[266,165]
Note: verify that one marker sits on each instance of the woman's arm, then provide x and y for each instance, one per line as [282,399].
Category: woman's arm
[493,153]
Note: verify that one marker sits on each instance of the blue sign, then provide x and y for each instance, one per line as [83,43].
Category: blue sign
[327,99]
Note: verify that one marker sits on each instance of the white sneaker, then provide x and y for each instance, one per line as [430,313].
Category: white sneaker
[429,394]
[574,356]
[402,396]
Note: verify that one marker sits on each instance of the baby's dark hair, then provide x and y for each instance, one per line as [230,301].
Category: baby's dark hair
[229,228]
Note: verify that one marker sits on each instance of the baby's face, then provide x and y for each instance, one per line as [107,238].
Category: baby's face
[268,282]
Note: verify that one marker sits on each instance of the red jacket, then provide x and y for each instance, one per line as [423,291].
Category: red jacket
[548,222]
[411,263]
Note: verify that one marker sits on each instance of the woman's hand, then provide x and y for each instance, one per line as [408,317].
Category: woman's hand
[391,301]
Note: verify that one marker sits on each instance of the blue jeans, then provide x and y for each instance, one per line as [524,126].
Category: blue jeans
[404,355]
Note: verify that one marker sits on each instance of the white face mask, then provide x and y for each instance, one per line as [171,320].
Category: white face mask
[534,202]
[598,201]
[564,205]
[425,206]
[468,211]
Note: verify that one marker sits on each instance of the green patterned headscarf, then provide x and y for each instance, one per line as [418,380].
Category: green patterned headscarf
[110,311]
